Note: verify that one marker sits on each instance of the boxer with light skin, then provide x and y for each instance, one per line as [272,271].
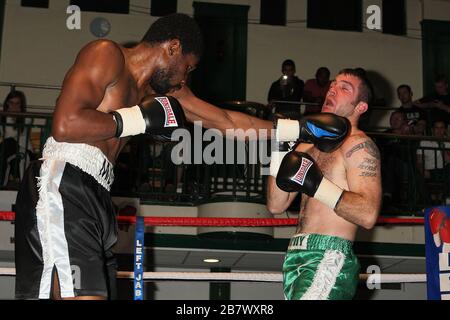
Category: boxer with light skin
[341,191]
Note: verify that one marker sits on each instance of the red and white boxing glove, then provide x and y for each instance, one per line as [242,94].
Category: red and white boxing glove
[444,233]
[436,220]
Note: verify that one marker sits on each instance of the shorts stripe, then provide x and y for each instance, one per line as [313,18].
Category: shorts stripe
[325,277]
[50,224]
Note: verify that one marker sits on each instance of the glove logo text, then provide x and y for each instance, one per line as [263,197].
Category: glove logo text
[171,120]
[301,173]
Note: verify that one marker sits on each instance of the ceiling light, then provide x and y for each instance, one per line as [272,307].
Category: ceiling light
[211,260]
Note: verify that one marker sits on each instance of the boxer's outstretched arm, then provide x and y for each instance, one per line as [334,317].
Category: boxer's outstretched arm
[361,203]
[211,116]
[278,200]
[76,118]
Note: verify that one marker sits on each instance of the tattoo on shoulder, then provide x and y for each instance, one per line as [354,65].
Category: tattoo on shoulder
[367,145]
[369,167]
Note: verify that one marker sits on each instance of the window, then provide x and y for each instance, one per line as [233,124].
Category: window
[273,12]
[160,8]
[394,17]
[335,14]
[35,3]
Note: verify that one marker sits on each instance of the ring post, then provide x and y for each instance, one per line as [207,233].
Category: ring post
[139,259]
[437,249]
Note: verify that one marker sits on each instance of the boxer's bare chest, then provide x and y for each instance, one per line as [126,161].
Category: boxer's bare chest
[122,94]
[331,164]
[332,167]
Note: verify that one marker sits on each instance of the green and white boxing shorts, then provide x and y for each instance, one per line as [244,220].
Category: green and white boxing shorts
[320,267]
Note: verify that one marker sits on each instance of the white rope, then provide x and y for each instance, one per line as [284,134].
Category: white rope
[7,271]
[250,276]
[393,277]
[207,276]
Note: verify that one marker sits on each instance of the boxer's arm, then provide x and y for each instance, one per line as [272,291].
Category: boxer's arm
[76,118]
[361,203]
[211,116]
[278,200]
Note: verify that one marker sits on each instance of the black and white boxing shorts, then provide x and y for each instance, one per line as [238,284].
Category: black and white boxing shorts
[65,224]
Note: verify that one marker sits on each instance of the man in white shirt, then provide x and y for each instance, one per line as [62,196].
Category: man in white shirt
[433,157]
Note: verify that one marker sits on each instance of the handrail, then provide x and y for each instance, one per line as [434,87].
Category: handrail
[408,137]
[29,85]
[155,179]
[26,114]
[300,103]
[47,107]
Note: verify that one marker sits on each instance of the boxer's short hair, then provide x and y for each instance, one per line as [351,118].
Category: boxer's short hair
[365,88]
[177,26]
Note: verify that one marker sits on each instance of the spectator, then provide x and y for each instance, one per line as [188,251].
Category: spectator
[316,90]
[398,123]
[15,137]
[433,161]
[415,116]
[437,104]
[288,88]
[395,159]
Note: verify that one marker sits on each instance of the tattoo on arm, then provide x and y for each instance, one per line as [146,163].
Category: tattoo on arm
[369,168]
[369,146]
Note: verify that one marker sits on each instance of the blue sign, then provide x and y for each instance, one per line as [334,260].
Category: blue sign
[139,259]
[437,245]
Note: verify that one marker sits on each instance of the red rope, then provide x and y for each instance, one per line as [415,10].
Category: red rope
[385,220]
[212,222]
[223,222]
[7,215]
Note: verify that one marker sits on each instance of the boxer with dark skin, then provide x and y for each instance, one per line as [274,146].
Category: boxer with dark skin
[104,78]
[65,224]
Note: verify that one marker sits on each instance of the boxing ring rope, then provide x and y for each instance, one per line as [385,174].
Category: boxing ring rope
[235,276]
[244,276]
[225,222]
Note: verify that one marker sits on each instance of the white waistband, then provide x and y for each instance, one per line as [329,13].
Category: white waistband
[88,158]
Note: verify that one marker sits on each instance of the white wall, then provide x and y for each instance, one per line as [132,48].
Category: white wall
[38,48]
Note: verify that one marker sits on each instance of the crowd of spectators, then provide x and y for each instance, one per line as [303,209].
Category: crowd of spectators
[415,148]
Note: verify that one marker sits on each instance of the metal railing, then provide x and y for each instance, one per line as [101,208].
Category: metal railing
[144,169]
[14,85]
[408,185]
[22,137]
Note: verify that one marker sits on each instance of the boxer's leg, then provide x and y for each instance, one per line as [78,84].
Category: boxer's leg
[28,247]
[319,267]
[90,231]
[56,291]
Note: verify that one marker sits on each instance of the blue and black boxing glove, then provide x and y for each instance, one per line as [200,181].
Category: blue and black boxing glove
[326,131]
